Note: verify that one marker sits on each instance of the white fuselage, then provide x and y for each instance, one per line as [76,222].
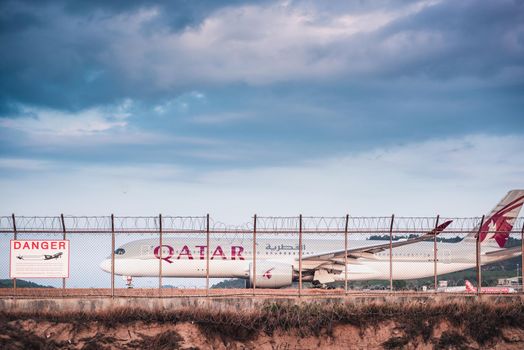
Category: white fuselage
[232,258]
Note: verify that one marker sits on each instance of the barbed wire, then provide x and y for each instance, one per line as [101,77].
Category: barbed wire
[323,225]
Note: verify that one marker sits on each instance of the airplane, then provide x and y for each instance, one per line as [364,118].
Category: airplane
[54,256]
[323,260]
[470,288]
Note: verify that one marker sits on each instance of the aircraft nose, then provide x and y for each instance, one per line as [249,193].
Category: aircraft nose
[106,265]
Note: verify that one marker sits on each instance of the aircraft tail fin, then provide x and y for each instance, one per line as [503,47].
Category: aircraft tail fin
[499,223]
[470,288]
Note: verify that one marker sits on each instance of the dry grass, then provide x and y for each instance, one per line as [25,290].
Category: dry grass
[416,321]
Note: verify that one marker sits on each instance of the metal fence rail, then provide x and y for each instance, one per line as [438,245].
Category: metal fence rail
[94,238]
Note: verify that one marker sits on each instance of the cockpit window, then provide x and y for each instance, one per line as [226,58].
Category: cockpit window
[120,251]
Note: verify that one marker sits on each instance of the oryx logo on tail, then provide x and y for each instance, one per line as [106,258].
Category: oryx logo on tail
[470,288]
[500,223]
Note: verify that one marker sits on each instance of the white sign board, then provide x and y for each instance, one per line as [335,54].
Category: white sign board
[42,258]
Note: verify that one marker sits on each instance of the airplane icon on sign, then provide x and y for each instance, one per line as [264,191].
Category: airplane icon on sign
[54,256]
[40,257]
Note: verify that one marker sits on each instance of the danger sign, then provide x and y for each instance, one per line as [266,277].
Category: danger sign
[49,258]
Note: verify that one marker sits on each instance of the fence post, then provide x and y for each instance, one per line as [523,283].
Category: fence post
[346,254]
[391,253]
[63,237]
[522,257]
[160,255]
[207,255]
[15,236]
[478,262]
[300,255]
[254,254]
[112,256]
[435,256]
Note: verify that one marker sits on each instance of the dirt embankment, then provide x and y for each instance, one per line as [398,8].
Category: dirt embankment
[471,325]
[139,335]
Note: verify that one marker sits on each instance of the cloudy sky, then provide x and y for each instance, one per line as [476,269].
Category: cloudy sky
[269,107]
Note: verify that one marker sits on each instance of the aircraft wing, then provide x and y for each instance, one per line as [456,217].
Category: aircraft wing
[368,251]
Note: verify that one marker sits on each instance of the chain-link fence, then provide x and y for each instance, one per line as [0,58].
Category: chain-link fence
[167,256]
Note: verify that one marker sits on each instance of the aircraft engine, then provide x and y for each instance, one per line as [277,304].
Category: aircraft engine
[271,275]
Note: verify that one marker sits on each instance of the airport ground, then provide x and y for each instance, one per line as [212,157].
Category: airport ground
[369,316]
[270,322]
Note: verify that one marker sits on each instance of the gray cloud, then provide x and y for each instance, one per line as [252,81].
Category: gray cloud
[57,54]
[77,54]
[482,39]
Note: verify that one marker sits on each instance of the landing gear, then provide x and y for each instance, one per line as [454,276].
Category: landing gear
[129,281]
[317,284]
